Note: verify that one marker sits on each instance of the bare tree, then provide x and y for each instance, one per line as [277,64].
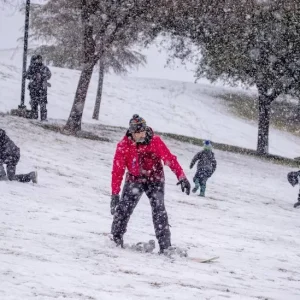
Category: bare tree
[105,25]
[119,60]
[66,50]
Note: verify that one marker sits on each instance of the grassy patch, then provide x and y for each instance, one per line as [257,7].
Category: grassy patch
[284,115]
[191,140]
[235,149]
[182,138]
[80,134]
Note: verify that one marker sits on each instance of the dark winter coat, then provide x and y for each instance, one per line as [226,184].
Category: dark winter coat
[206,162]
[9,152]
[143,161]
[38,74]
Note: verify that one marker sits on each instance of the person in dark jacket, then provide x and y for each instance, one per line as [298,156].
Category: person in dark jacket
[141,152]
[293,179]
[38,74]
[10,156]
[206,166]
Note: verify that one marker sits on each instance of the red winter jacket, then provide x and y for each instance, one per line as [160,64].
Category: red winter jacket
[143,162]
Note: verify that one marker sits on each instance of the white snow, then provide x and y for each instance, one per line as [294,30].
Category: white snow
[53,235]
[170,106]
[53,242]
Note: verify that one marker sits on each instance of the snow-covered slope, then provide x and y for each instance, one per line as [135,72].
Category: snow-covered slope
[53,234]
[53,243]
[170,106]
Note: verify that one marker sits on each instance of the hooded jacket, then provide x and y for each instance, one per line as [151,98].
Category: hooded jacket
[143,161]
[38,74]
[9,152]
[206,161]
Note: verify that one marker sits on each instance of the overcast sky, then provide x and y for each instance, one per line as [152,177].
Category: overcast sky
[11,28]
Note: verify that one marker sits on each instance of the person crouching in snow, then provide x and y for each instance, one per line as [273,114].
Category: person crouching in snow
[293,179]
[10,155]
[206,166]
[141,152]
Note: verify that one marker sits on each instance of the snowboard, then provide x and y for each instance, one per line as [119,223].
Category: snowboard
[203,260]
[176,252]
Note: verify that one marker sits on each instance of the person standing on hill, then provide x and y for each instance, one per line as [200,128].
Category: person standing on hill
[38,74]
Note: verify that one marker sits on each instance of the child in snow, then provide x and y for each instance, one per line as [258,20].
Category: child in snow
[293,179]
[10,156]
[206,166]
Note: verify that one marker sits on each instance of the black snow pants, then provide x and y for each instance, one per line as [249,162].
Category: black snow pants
[202,175]
[38,98]
[34,110]
[131,194]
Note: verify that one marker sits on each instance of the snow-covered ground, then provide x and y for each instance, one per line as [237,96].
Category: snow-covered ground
[170,106]
[53,243]
[53,234]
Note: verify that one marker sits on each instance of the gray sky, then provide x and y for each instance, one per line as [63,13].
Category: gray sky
[11,28]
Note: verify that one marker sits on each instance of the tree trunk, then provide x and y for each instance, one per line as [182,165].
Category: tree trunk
[74,121]
[99,91]
[264,105]
[297,113]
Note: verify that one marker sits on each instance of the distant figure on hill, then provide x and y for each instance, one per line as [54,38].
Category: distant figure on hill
[38,74]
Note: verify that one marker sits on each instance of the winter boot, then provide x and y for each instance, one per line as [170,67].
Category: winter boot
[119,241]
[2,173]
[202,190]
[297,204]
[33,176]
[197,185]
[144,247]
[174,251]
[169,251]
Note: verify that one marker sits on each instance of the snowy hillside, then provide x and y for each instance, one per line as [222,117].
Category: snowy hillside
[53,243]
[53,234]
[170,106]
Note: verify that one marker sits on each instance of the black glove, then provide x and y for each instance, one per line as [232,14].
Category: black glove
[185,185]
[115,199]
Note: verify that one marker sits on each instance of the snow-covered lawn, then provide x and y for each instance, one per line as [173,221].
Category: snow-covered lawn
[168,106]
[53,234]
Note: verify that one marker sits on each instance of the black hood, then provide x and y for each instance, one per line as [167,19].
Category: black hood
[293,178]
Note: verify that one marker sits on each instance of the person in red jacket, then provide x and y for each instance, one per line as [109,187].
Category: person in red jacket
[141,152]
